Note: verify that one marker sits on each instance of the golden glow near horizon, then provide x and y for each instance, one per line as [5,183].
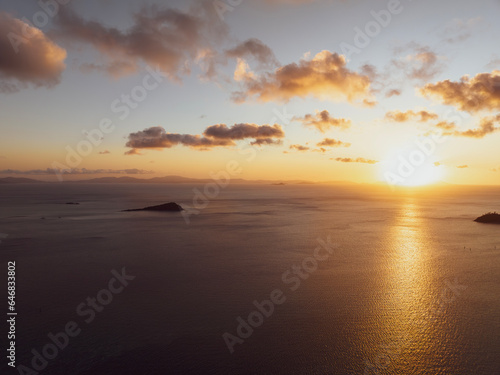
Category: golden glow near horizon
[397,100]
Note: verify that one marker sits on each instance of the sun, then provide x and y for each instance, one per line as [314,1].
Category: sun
[411,166]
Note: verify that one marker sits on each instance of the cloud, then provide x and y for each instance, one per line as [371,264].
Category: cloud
[416,62]
[74,171]
[322,121]
[157,137]
[219,135]
[421,116]
[299,148]
[392,92]
[266,141]
[330,142]
[486,126]
[104,152]
[27,56]
[462,166]
[256,49]
[165,37]
[445,125]
[356,160]
[475,94]
[133,151]
[242,131]
[323,77]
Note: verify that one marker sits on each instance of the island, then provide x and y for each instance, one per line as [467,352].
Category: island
[489,218]
[171,206]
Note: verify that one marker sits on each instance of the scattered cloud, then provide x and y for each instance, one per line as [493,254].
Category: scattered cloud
[355,160]
[324,77]
[421,116]
[104,152]
[462,166]
[475,94]
[35,61]
[330,142]
[322,121]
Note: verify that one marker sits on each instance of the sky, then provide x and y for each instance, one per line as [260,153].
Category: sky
[400,92]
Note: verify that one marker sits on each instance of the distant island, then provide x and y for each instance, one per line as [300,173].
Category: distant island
[489,218]
[171,206]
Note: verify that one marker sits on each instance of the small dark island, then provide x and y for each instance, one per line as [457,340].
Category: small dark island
[489,218]
[171,207]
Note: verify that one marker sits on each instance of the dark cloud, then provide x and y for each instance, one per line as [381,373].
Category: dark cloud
[256,49]
[157,137]
[322,121]
[27,56]
[218,135]
[163,37]
[242,131]
[475,94]
[266,141]
[323,77]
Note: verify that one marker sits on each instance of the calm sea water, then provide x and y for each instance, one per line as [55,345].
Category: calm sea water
[412,288]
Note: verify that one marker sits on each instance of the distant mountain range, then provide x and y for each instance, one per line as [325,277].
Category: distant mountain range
[162,180]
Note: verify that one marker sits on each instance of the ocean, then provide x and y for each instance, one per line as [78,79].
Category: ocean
[302,279]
